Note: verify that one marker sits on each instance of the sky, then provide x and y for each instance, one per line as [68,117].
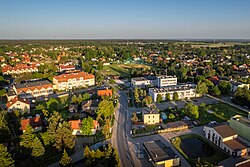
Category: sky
[124,19]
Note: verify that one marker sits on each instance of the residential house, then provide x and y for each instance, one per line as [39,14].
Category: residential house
[73,80]
[105,91]
[161,155]
[150,115]
[63,68]
[18,104]
[76,127]
[174,126]
[73,108]
[34,122]
[241,125]
[227,139]
[90,106]
[33,89]
[19,69]
[236,85]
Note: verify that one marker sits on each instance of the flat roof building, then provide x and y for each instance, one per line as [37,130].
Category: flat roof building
[241,125]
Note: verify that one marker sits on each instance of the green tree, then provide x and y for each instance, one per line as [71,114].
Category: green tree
[86,96]
[65,160]
[105,109]
[52,104]
[64,137]
[168,97]
[86,152]
[27,137]
[171,116]
[175,96]
[4,128]
[201,88]
[134,118]
[224,87]
[40,107]
[2,92]
[5,157]
[74,99]
[37,148]
[215,91]
[192,110]
[87,126]
[159,98]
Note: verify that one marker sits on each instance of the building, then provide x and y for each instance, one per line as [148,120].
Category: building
[142,82]
[33,89]
[90,106]
[19,69]
[161,155]
[104,92]
[227,139]
[236,85]
[76,127]
[18,104]
[165,80]
[174,126]
[241,125]
[73,80]
[63,68]
[184,91]
[73,108]
[150,115]
[34,122]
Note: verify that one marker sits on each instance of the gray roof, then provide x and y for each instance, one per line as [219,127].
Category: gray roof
[32,84]
[158,151]
[174,88]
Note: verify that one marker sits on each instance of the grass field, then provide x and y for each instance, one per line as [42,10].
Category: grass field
[220,112]
[120,69]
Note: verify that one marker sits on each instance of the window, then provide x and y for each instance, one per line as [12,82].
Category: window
[153,116]
[149,116]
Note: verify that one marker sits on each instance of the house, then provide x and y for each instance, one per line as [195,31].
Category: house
[19,69]
[105,91]
[73,108]
[236,85]
[73,80]
[63,68]
[161,155]
[174,126]
[34,122]
[241,125]
[215,80]
[32,89]
[150,115]
[227,139]
[10,94]
[18,104]
[90,106]
[76,127]
[183,91]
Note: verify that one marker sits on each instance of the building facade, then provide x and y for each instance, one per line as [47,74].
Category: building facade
[19,69]
[165,80]
[227,139]
[33,89]
[73,80]
[241,125]
[183,91]
[150,116]
[18,104]
[142,82]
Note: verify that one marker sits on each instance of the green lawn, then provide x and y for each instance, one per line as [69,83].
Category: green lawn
[204,161]
[148,128]
[221,113]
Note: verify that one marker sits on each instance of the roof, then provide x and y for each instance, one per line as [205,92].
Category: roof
[150,110]
[73,107]
[90,103]
[225,131]
[75,124]
[77,75]
[173,88]
[104,92]
[242,120]
[34,122]
[176,124]
[33,85]
[19,67]
[158,151]
[236,144]
[15,100]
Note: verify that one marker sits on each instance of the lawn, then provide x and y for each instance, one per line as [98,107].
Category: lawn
[200,158]
[221,113]
[147,128]
[120,69]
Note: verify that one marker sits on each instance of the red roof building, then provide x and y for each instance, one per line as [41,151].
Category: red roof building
[34,122]
[104,92]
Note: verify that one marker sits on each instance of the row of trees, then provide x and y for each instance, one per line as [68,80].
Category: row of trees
[141,98]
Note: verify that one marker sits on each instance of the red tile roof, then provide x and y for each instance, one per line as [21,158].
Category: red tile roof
[14,100]
[104,92]
[225,131]
[34,122]
[19,67]
[236,144]
[78,75]
[75,124]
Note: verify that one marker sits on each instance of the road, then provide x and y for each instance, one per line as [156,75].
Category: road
[121,139]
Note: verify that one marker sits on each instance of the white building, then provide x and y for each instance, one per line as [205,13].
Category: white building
[236,85]
[142,82]
[184,91]
[73,80]
[165,80]
[227,139]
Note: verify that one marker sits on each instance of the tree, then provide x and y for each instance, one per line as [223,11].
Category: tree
[37,148]
[171,116]
[86,152]
[63,136]
[87,126]
[40,107]
[86,96]
[27,138]
[65,160]
[4,129]
[215,91]
[2,92]
[224,87]
[168,97]
[105,109]
[74,99]
[192,110]
[5,157]
[134,118]
[175,96]
[201,88]
[159,98]
[52,104]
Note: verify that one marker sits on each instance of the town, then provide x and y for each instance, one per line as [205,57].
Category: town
[124,103]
